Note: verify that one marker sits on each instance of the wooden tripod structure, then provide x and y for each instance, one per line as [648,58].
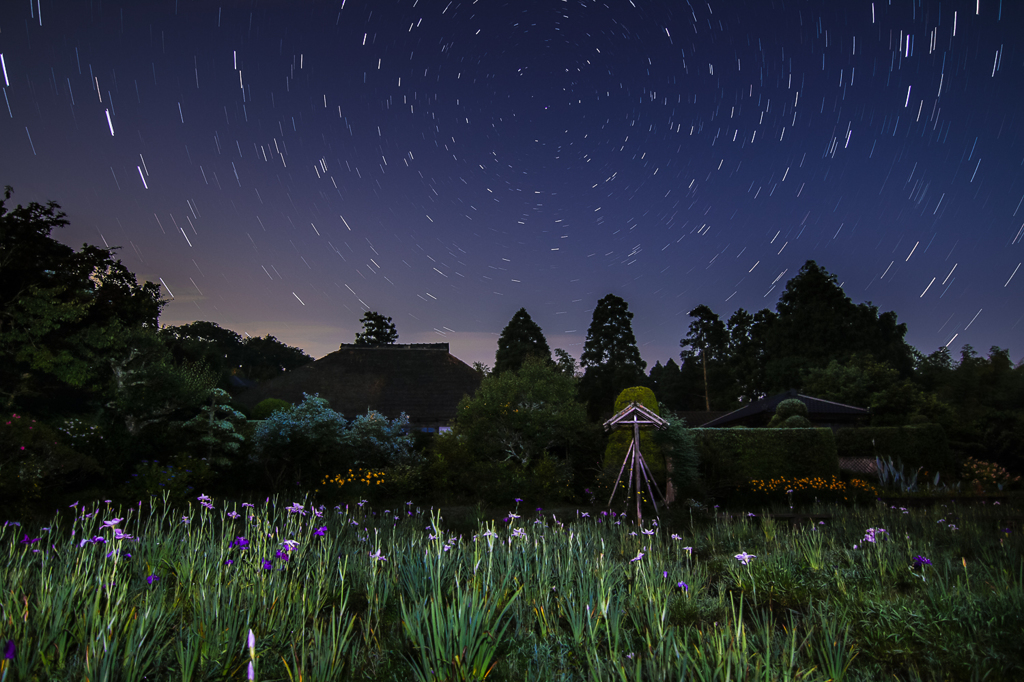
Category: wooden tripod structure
[636,416]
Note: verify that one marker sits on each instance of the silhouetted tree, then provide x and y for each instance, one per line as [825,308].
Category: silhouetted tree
[611,360]
[706,341]
[521,338]
[377,330]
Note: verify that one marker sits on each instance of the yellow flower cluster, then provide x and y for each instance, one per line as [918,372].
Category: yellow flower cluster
[364,476]
[815,484]
[986,473]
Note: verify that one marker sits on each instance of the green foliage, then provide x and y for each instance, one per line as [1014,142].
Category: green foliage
[377,330]
[817,322]
[34,462]
[269,406]
[214,431]
[797,421]
[925,599]
[264,357]
[520,339]
[298,447]
[375,441]
[60,309]
[640,395]
[611,360]
[177,477]
[706,346]
[916,446]
[791,407]
[144,385]
[517,416]
[682,456]
[619,440]
[735,456]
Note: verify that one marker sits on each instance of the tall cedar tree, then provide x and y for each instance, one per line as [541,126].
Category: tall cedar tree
[377,330]
[817,322]
[520,339]
[611,360]
[706,341]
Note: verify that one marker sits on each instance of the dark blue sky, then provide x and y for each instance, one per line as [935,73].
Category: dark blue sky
[283,166]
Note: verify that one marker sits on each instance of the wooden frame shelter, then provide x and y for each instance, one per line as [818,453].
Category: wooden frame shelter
[636,416]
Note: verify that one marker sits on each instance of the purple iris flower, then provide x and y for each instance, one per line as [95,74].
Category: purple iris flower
[239,542]
[267,564]
[920,561]
[9,650]
[320,531]
[152,579]
[683,586]
[28,541]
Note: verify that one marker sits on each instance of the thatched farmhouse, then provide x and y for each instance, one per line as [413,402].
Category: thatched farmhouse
[423,380]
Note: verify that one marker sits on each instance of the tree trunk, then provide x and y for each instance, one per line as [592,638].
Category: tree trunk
[707,397]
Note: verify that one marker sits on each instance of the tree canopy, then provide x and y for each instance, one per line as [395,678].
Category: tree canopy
[611,360]
[521,338]
[61,310]
[377,330]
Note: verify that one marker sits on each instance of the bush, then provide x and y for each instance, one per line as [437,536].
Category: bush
[34,463]
[267,407]
[678,445]
[791,407]
[734,456]
[619,440]
[922,445]
[797,421]
[377,442]
[298,447]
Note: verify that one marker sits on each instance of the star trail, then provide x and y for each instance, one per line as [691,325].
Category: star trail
[284,166]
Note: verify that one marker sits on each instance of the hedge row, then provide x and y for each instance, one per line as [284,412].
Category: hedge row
[736,456]
[922,445]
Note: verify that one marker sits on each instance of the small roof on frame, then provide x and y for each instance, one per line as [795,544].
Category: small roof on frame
[635,413]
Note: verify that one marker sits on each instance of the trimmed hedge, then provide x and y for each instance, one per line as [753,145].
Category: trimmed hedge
[921,445]
[736,456]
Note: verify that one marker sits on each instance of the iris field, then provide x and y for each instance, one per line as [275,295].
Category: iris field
[278,591]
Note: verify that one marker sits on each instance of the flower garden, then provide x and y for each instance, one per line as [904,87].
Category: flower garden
[280,590]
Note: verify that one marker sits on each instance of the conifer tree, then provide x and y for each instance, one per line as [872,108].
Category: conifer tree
[520,339]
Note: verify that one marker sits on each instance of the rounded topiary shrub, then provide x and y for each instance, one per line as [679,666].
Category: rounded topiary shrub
[637,394]
[796,422]
[267,407]
[619,440]
[792,407]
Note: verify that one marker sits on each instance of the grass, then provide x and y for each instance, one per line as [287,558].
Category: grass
[393,594]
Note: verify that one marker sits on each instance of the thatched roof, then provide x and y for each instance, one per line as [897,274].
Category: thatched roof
[423,380]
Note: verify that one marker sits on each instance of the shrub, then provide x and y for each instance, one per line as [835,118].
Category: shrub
[986,475]
[34,462]
[807,490]
[735,456]
[915,446]
[619,440]
[213,432]
[791,407]
[679,447]
[637,394]
[267,407]
[377,442]
[797,421]
[299,446]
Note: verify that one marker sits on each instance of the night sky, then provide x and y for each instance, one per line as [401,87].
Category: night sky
[283,166]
